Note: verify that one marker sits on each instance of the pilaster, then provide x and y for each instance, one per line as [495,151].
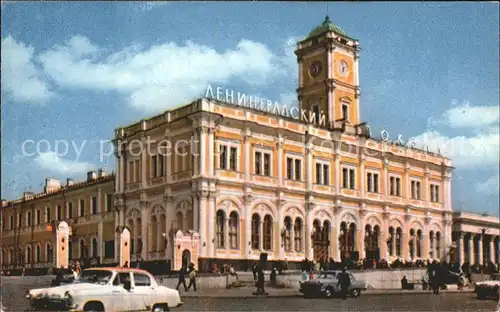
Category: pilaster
[144,204]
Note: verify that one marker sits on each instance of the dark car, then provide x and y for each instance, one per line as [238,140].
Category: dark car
[325,285]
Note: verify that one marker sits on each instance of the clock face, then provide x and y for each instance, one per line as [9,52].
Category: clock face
[315,69]
[343,68]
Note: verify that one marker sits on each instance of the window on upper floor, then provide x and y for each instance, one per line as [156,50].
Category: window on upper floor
[70,210]
[228,156]
[37,217]
[81,208]
[263,163]
[348,178]
[48,216]
[11,222]
[345,111]
[416,189]
[434,190]
[372,182]
[59,213]
[293,169]
[28,218]
[395,186]
[109,202]
[157,166]
[322,173]
[94,205]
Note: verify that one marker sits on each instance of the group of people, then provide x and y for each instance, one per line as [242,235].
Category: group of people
[190,272]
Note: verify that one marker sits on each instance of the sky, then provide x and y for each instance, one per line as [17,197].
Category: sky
[75,71]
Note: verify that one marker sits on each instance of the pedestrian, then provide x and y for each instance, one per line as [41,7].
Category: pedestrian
[344,283]
[125,265]
[192,277]
[232,272]
[254,271]
[182,279]
[435,278]
[260,281]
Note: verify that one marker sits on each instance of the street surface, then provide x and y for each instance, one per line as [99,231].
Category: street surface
[13,300]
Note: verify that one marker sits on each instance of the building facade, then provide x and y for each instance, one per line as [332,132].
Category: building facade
[225,183]
[28,223]
[476,237]
[214,182]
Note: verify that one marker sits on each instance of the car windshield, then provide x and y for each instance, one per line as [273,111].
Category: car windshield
[328,275]
[95,277]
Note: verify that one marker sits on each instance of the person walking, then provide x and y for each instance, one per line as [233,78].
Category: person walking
[192,277]
[435,277]
[260,281]
[182,279]
[254,271]
[344,283]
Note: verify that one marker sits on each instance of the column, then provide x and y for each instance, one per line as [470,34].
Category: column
[226,232]
[480,249]
[280,162]
[195,152]
[281,222]
[117,223]
[394,241]
[406,187]
[362,172]
[338,171]
[211,222]
[203,149]
[414,242]
[426,186]
[121,176]
[248,224]
[460,248]
[204,239]
[158,235]
[472,256]
[196,213]
[308,231]
[337,243]
[386,181]
[211,132]
[492,250]
[406,253]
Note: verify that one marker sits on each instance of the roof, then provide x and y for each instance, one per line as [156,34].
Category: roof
[118,269]
[327,25]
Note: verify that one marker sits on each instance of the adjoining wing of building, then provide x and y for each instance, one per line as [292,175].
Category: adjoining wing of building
[223,183]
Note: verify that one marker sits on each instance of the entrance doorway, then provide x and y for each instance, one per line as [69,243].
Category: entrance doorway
[347,241]
[321,241]
[186,258]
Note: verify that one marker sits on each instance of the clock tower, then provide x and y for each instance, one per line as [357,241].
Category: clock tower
[328,75]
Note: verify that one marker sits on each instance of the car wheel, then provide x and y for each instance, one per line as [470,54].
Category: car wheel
[93,307]
[355,292]
[329,292]
[161,308]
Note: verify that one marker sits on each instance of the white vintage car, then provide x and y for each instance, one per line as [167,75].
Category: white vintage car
[489,288]
[107,289]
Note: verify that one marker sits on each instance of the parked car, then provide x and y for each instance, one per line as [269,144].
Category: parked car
[325,285]
[106,289]
[489,288]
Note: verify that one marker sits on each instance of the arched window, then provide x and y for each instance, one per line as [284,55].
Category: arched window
[220,220]
[419,244]
[325,231]
[255,231]
[287,234]
[38,254]
[233,230]
[163,229]
[180,221]
[268,232]
[390,244]
[298,234]
[189,219]
[132,235]
[399,240]
[154,232]
[438,245]
[431,244]
[412,243]
[48,253]
[94,248]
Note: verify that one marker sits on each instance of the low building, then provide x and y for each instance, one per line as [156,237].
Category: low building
[476,237]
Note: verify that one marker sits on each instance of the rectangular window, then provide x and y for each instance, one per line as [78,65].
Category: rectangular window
[345,112]
[289,168]
[130,172]
[434,190]
[109,249]
[94,205]
[11,222]
[37,217]
[319,173]
[369,182]
[349,178]
[392,186]
[109,202]
[28,218]
[258,163]
[154,169]
[298,171]
[395,186]
[161,165]
[322,174]
[223,157]
[326,174]
[398,186]
[375,183]
[59,213]
[70,210]
[48,218]
[267,164]
[82,208]
[415,190]
[345,178]
[352,179]
[233,156]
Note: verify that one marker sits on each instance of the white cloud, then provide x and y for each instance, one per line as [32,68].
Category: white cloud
[163,75]
[52,162]
[151,5]
[20,77]
[467,116]
[480,149]
[489,186]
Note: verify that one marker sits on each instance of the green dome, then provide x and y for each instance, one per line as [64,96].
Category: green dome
[327,25]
